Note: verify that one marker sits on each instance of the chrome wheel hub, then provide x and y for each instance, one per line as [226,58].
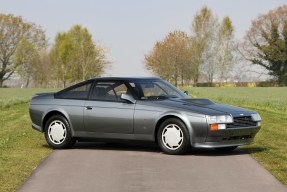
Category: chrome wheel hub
[57,132]
[172,136]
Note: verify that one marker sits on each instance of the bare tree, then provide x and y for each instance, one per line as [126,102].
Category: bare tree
[226,49]
[12,30]
[203,31]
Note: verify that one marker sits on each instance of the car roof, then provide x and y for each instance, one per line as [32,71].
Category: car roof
[111,79]
[125,78]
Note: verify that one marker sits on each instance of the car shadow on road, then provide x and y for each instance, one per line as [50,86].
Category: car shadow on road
[212,152]
[140,147]
[154,148]
[252,150]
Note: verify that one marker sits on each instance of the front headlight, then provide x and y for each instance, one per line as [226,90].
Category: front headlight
[219,119]
[255,117]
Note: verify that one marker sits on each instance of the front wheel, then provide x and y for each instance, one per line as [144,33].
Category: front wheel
[58,133]
[173,137]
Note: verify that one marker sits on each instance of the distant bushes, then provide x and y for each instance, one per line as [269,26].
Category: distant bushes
[242,84]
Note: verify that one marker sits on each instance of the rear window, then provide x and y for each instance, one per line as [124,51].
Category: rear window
[80,91]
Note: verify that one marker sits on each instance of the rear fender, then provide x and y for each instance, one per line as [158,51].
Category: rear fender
[57,110]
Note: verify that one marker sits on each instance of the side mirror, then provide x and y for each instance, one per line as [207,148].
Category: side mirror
[186,92]
[127,97]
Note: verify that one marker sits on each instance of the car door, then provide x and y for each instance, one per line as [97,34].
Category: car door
[72,101]
[105,112]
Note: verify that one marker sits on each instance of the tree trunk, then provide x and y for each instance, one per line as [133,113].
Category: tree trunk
[175,79]
[195,80]
[1,83]
[210,80]
[27,82]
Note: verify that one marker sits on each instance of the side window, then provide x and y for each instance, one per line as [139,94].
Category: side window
[108,91]
[121,89]
[151,89]
[78,92]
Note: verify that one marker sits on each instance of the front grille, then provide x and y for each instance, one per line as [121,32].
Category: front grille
[245,121]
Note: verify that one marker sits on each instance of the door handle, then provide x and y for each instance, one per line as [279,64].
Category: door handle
[89,107]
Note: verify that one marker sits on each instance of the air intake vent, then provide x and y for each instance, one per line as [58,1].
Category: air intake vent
[245,121]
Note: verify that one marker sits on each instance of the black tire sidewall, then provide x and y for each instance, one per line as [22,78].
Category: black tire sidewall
[185,146]
[68,142]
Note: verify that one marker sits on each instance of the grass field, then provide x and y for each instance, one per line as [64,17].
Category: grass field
[269,98]
[12,96]
[22,148]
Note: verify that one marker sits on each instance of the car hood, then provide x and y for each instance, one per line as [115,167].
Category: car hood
[205,106]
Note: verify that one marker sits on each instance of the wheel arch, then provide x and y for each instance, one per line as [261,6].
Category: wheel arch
[178,116]
[53,112]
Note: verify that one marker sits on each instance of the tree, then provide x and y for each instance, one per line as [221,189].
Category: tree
[171,58]
[208,51]
[203,31]
[225,49]
[89,58]
[213,46]
[60,59]
[74,56]
[27,56]
[265,43]
[13,30]
[42,70]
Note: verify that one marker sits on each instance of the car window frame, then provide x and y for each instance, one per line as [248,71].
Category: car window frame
[56,95]
[119,100]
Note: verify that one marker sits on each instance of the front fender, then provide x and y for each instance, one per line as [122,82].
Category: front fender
[195,123]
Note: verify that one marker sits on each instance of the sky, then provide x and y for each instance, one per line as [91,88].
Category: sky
[128,29]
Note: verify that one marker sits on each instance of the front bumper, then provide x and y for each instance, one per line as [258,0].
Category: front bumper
[229,137]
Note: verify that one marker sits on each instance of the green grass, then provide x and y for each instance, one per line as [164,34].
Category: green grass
[12,96]
[269,98]
[21,147]
[270,145]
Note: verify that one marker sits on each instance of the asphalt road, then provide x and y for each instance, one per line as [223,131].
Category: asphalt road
[135,168]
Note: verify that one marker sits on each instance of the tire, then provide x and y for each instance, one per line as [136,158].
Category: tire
[58,133]
[173,137]
[225,149]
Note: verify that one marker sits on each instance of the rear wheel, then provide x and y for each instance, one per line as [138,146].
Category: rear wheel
[226,149]
[58,133]
[173,137]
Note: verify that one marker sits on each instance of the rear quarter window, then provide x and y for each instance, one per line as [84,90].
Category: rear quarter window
[75,92]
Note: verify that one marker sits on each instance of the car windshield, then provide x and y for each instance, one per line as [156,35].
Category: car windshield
[154,89]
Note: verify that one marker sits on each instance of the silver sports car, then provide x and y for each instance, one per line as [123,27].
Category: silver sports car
[141,109]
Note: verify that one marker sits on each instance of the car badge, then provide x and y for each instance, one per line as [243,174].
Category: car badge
[241,114]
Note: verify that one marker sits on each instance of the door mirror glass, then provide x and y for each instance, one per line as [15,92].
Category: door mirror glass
[128,98]
[186,92]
